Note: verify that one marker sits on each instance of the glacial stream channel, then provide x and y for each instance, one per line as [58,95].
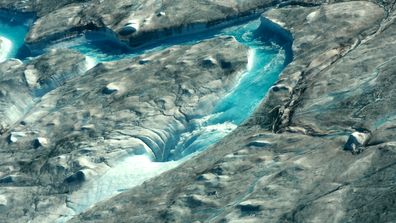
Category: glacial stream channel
[270,52]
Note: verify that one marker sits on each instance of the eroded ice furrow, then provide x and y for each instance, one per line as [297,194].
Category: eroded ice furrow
[264,65]
[268,56]
[266,61]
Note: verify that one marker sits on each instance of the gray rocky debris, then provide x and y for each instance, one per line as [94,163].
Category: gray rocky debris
[357,140]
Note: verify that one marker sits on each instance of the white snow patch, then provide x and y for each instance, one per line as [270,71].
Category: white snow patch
[90,62]
[5,48]
[126,174]
[251,57]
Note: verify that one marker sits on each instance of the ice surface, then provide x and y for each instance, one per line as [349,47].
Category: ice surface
[266,60]
[5,48]
[127,173]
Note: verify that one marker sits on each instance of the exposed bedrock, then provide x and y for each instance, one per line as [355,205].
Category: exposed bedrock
[339,86]
[80,129]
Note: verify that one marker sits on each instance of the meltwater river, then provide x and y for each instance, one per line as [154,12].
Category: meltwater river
[270,52]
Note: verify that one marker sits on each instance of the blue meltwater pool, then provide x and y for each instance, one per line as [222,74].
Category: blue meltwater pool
[13,29]
[268,55]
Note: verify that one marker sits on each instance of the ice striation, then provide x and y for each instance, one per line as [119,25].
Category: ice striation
[106,134]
